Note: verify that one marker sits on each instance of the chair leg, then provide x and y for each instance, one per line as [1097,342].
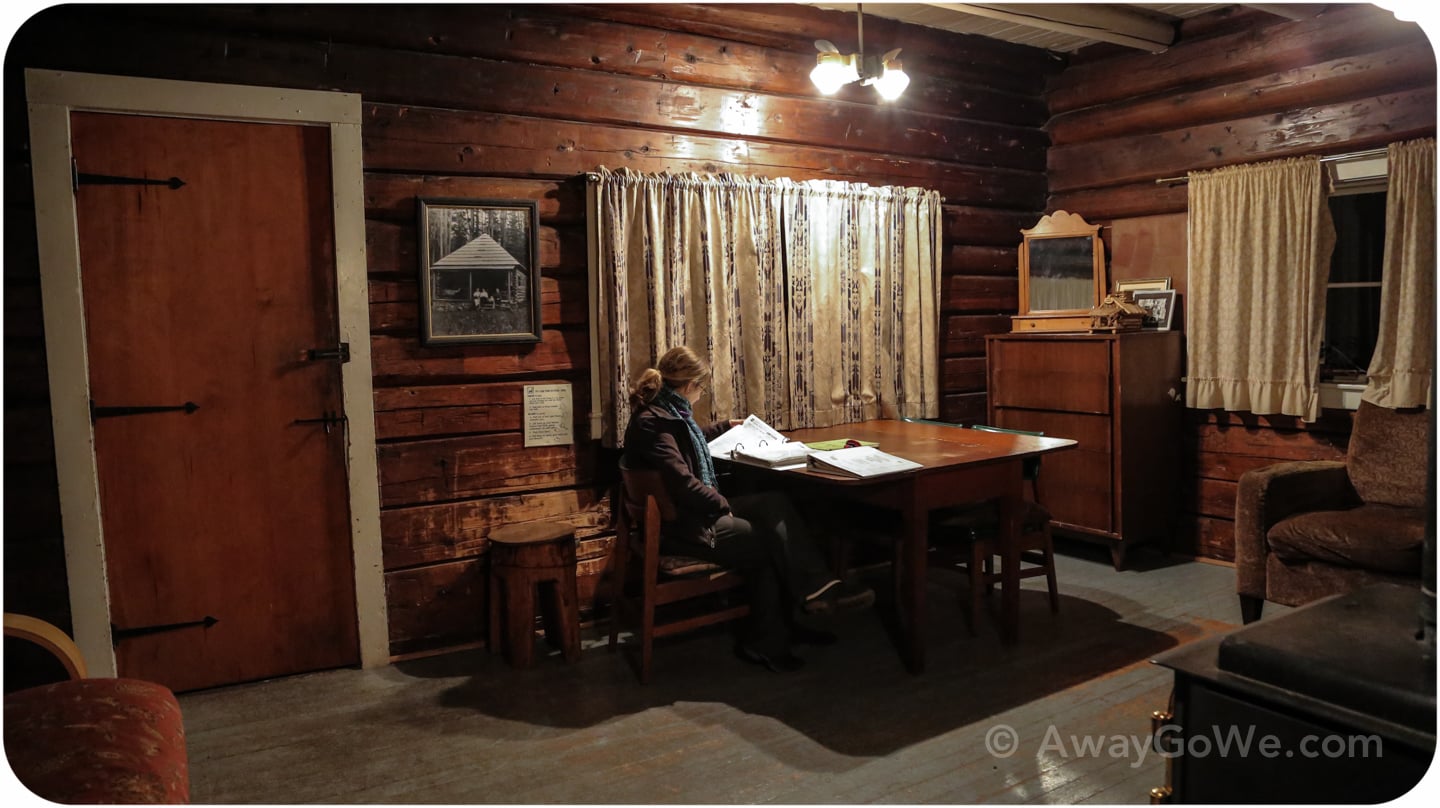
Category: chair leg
[1250,608]
[979,561]
[1049,552]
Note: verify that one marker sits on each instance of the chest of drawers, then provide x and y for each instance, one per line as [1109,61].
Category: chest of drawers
[1119,396]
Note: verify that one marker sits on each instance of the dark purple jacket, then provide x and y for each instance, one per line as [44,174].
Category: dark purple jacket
[655,439]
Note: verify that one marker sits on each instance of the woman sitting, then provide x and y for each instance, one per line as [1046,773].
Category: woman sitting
[761,535]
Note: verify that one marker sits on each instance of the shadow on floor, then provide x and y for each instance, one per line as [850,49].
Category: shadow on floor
[853,698]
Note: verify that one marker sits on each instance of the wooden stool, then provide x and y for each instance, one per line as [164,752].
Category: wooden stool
[524,558]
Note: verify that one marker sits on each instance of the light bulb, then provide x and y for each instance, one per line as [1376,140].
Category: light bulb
[832,71]
[892,82]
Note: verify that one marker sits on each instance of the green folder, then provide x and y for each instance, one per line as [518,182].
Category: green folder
[838,443]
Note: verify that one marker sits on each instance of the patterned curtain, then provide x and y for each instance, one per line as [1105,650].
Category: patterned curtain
[863,322]
[1260,244]
[1403,367]
[812,327]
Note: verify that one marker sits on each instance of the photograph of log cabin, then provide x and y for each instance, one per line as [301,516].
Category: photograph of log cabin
[265,543]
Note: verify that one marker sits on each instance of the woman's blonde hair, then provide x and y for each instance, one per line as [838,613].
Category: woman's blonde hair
[677,367]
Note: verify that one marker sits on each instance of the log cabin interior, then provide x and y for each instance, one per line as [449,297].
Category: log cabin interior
[365,461]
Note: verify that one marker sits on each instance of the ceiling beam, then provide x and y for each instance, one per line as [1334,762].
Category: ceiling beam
[1292,11]
[1094,22]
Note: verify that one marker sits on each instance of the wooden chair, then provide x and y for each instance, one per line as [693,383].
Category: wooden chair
[647,583]
[966,540]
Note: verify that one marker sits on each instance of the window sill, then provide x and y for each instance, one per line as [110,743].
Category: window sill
[1340,396]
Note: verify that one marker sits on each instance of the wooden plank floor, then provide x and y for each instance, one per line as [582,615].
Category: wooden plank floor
[852,727]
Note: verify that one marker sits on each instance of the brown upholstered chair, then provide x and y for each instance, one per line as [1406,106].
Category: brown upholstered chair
[649,586]
[1307,529]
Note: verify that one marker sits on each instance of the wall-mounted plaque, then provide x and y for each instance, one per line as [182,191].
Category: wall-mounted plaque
[549,415]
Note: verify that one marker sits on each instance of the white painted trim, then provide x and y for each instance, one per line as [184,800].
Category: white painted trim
[1340,396]
[51,97]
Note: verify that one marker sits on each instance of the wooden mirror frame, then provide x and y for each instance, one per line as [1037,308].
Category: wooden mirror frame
[1058,225]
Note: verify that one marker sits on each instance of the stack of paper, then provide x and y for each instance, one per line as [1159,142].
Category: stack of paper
[859,461]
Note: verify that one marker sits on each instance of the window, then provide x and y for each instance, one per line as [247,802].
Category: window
[1352,302]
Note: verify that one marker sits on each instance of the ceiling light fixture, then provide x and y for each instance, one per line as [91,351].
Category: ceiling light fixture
[834,69]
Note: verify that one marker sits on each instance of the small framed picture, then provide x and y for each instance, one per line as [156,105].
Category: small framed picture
[479,271]
[1141,284]
[1159,305]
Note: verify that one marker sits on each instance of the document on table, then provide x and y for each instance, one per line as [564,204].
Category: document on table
[859,461]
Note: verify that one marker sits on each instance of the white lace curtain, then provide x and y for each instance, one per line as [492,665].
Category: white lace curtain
[1403,366]
[1260,243]
[814,303]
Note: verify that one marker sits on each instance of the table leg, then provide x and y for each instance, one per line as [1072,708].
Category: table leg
[911,555]
[1010,516]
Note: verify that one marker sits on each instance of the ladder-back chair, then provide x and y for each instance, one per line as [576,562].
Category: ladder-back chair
[647,583]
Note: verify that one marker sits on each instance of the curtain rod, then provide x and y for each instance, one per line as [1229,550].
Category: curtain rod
[591,176]
[1326,159]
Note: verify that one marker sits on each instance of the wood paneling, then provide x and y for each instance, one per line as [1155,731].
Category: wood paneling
[1239,87]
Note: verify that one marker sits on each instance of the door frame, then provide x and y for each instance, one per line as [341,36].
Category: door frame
[51,96]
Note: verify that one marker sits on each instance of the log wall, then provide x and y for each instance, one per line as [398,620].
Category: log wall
[1240,87]
[492,101]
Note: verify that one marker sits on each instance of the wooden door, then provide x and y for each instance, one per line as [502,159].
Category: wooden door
[226,524]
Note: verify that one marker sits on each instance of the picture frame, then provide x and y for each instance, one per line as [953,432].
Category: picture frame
[1159,305]
[479,270]
[1142,284]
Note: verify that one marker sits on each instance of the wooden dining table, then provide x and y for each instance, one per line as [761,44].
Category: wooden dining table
[957,466]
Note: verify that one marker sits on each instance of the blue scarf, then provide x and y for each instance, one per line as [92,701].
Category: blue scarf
[678,406]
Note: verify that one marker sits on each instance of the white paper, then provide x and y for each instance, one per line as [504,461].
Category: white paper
[752,433]
[549,417]
[860,461]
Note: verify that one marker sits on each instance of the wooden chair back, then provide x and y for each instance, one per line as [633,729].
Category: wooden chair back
[645,583]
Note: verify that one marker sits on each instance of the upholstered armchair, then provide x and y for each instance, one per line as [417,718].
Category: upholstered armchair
[1307,529]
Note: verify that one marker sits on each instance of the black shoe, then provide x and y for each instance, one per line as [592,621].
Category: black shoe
[778,663]
[840,597]
[802,635]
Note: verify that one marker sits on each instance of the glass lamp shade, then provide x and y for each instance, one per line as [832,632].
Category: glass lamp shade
[892,82]
[833,71]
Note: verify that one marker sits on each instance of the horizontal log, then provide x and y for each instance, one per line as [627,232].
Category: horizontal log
[1359,76]
[794,27]
[970,293]
[1208,537]
[549,36]
[402,360]
[430,533]
[475,466]
[963,374]
[1361,124]
[963,259]
[390,246]
[1276,444]
[1250,52]
[563,302]
[453,409]
[1214,498]
[972,226]
[963,408]
[1124,201]
[965,333]
[436,141]
[1229,467]
[441,604]
[392,196]
[1338,423]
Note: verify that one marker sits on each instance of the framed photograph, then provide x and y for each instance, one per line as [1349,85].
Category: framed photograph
[479,271]
[1159,305]
[1142,284]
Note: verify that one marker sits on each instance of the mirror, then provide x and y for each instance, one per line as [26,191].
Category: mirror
[1062,273]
